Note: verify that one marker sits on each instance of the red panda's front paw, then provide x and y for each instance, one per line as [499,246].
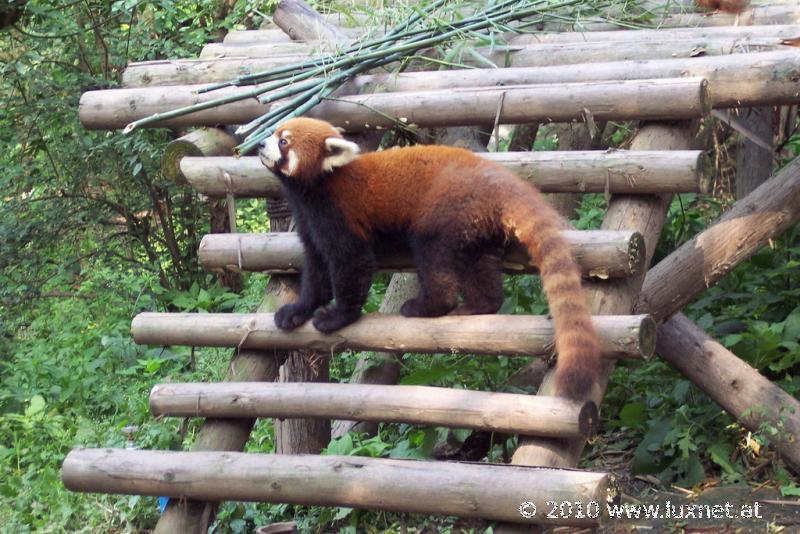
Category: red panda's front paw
[328,320]
[291,316]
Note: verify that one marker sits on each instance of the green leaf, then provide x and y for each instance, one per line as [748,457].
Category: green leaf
[791,326]
[427,375]
[35,406]
[633,415]
[720,453]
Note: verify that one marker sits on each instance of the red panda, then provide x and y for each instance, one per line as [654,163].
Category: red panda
[729,6]
[457,212]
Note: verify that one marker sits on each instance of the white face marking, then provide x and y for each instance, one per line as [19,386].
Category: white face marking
[269,152]
[294,161]
[343,153]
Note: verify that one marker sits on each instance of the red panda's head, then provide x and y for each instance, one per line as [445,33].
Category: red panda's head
[303,149]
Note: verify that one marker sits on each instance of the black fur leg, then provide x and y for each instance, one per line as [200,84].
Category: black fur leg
[291,316]
[332,318]
[481,282]
[351,266]
[436,263]
[315,290]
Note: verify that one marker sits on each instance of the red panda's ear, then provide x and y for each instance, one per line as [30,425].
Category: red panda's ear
[339,152]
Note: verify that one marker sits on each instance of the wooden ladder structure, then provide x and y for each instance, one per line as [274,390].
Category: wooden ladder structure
[660,162]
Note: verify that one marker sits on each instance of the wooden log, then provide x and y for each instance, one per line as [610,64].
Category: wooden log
[599,254]
[626,336]
[740,390]
[645,213]
[784,31]
[617,171]
[604,100]
[182,71]
[741,231]
[672,98]
[528,52]
[221,50]
[757,15]
[201,142]
[443,488]
[302,23]
[276,35]
[736,80]
[267,35]
[419,405]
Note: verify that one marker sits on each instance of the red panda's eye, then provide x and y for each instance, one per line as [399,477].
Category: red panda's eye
[283,142]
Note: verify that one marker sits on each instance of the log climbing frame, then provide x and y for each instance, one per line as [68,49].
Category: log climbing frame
[669,89]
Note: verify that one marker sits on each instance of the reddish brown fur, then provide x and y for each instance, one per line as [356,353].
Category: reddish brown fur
[450,191]
[729,6]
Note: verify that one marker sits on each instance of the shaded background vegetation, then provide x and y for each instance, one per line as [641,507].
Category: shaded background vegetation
[91,234]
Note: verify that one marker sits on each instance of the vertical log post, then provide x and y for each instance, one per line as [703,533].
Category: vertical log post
[645,214]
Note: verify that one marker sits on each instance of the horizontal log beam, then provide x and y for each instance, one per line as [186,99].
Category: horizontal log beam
[601,254]
[446,488]
[628,100]
[625,336]
[754,79]
[765,213]
[671,98]
[784,31]
[618,171]
[420,405]
[527,51]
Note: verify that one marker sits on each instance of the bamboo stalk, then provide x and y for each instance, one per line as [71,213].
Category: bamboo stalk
[742,391]
[599,254]
[444,488]
[620,171]
[419,405]
[741,231]
[511,335]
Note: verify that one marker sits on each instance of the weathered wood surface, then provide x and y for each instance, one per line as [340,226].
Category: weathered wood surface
[446,488]
[613,171]
[739,389]
[419,405]
[741,231]
[623,336]
[598,253]
[604,100]
[302,23]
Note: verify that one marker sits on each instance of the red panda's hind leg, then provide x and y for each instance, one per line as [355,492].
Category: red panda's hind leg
[481,282]
[437,267]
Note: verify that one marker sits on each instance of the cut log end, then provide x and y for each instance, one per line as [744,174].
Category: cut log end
[636,254]
[647,337]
